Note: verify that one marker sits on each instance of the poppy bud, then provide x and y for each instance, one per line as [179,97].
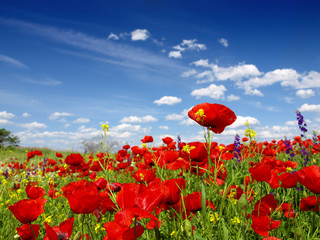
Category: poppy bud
[298,232]
[305,194]
[188,227]
[243,202]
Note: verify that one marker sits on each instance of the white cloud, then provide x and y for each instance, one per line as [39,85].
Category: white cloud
[179,48]
[12,61]
[232,97]
[285,76]
[206,77]
[192,45]
[242,120]
[291,123]
[164,127]
[223,42]
[201,63]
[174,116]
[140,34]
[213,91]
[189,73]
[175,54]
[81,120]
[85,129]
[26,115]
[135,119]
[310,108]
[253,92]
[126,127]
[33,125]
[46,81]
[168,100]
[113,36]
[6,115]
[188,122]
[5,122]
[57,115]
[305,93]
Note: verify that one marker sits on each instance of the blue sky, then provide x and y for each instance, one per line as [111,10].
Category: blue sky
[68,67]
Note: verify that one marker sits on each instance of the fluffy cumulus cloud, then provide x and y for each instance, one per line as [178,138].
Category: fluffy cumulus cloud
[113,36]
[223,42]
[164,127]
[192,45]
[167,100]
[33,125]
[135,119]
[213,91]
[6,115]
[310,108]
[140,34]
[5,122]
[175,54]
[232,97]
[186,45]
[174,116]
[26,115]
[241,120]
[81,120]
[305,93]
[189,73]
[58,115]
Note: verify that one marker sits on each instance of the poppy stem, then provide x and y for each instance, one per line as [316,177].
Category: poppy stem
[33,231]
[134,230]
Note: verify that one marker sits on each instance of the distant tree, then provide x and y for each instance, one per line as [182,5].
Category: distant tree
[7,138]
[93,145]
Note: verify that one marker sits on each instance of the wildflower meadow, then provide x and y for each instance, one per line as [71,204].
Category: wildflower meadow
[178,190]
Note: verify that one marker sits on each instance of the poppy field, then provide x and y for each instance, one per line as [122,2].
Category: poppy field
[178,190]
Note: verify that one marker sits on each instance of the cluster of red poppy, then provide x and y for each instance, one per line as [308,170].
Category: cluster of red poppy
[150,195]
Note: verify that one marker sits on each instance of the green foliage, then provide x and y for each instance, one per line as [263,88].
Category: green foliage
[7,138]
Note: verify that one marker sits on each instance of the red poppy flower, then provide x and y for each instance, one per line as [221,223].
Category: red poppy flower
[214,116]
[82,196]
[28,210]
[261,172]
[59,155]
[34,192]
[310,203]
[147,139]
[265,206]
[117,231]
[310,178]
[25,231]
[288,180]
[74,159]
[63,231]
[263,224]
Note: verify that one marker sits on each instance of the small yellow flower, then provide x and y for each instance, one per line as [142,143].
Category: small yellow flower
[246,123]
[200,114]
[250,133]
[173,233]
[289,169]
[214,217]
[48,219]
[221,147]
[105,127]
[235,220]
[186,148]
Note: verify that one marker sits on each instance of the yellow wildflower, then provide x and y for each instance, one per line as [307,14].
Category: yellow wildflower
[200,114]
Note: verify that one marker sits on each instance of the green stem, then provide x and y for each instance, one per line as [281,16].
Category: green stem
[33,232]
